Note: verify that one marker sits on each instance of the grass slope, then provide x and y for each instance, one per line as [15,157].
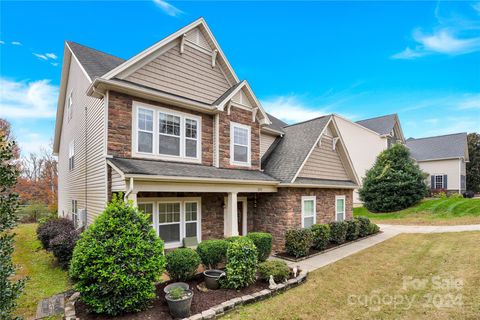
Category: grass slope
[351,287]
[46,278]
[432,211]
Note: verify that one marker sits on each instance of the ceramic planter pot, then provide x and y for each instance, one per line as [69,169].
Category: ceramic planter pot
[212,278]
[180,308]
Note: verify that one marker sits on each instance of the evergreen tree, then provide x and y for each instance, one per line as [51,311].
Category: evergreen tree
[395,182]
[473,166]
[9,289]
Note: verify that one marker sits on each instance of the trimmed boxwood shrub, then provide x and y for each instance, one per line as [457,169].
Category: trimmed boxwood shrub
[62,247]
[373,228]
[353,229]
[298,242]
[47,231]
[241,266]
[338,232]
[321,236]
[263,242]
[364,222]
[278,269]
[182,264]
[212,252]
[233,238]
[117,261]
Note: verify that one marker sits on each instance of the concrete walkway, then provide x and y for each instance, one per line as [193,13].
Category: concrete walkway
[389,231]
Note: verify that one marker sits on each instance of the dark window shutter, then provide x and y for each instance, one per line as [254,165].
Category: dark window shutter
[445,184]
[432,182]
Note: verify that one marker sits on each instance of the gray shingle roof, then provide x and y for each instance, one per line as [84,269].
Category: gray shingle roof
[291,150]
[277,124]
[176,169]
[439,147]
[95,63]
[381,125]
[325,182]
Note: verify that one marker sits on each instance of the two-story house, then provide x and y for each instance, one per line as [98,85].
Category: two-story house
[176,131]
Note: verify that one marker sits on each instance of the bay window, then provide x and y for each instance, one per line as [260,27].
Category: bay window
[239,144]
[166,134]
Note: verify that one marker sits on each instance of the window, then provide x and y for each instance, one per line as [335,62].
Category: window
[339,208]
[71,155]
[439,181]
[191,219]
[70,106]
[75,213]
[239,144]
[148,209]
[167,134]
[309,211]
[169,221]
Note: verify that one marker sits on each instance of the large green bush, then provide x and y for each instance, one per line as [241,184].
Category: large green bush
[241,266]
[298,242]
[395,181]
[373,228]
[212,252]
[182,264]
[62,247]
[353,229]
[263,242]
[321,236]
[117,261]
[363,222]
[338,232]
[278,269]
[49,230]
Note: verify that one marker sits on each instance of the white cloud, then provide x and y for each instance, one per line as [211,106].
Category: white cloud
[471,101]
[36,99]
[54,64]
[454,125]
[40,56]
[2,42]
[168,8]
[32,142]
[51,56]
[16,43]
[476,7]
[408,54]
[290,109]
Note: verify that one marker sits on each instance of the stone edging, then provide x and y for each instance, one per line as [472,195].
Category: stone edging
[217,310]
[327,250]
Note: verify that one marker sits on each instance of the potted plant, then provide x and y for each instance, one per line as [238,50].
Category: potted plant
[179,302]
[212,278]
[182,285]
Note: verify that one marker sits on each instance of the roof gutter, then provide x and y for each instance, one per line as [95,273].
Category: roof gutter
[310,185]
[197,179]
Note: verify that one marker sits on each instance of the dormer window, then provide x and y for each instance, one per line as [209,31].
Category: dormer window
[166,134]
[239,144]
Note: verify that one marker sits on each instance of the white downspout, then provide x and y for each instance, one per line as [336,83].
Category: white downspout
[130,190]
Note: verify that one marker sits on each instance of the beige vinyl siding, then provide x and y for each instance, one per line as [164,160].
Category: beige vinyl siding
[324,162]
[189,75]
[86,183]
[118,183]
[196,36]
[451,168]
[266,141]
[242,98]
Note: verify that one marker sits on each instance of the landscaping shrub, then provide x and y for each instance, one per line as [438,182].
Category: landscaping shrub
[298,242]
[338,231]
[62,247]
[440,194]
[364,222]
[47,231]
[278,269]
[241,266]
[182,264]
[321,236]
[263,242]
[395,181]
[233,238]
[117,261]
[353,229]
[212,252]
[456,196]
[373,228]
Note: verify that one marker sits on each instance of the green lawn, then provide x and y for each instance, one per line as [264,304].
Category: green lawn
[447,211]
[45,277]
[412,276]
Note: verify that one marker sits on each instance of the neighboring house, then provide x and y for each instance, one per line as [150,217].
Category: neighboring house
[178,133]
[443,158]
[365,140]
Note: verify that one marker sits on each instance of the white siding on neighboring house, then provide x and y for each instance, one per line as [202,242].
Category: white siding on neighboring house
[86,183]
[266,141]
[189,74]
[324,162]
[451,168]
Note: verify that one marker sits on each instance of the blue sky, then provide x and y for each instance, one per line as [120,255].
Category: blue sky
[304,59]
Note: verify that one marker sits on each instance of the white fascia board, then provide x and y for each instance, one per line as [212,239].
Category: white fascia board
[320,186]
[439,159]
[198,179]
[356,124]
[271,131]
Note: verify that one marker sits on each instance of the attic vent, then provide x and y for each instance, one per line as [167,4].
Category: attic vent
[195,36]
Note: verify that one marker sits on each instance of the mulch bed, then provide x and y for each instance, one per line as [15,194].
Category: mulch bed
[159,309]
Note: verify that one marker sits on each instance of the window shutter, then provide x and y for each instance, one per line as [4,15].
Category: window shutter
[445,184]
[432,182]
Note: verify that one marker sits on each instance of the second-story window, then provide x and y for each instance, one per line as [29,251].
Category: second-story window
[167,134]
[239,144]
[71,155]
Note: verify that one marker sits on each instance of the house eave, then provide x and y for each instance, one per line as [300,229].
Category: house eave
[312,185]
[145,177]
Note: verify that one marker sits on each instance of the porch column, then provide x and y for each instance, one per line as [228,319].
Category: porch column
[133,196]
[231,217]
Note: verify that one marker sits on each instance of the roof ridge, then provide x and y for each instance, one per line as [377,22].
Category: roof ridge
[385,115]
[91,48]
[440,136]
[313,119]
